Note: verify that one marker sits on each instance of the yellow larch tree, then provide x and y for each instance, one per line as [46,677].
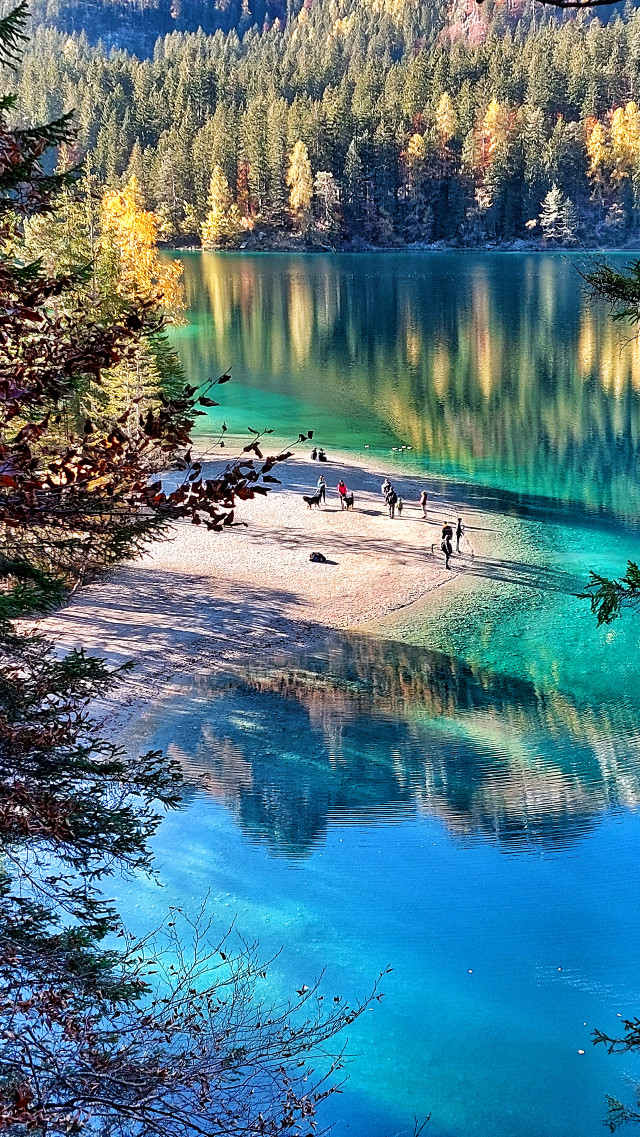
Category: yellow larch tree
[597,148]
[446,119]
[495,126]
[132,233]
[300,182]
[625,139]
[221,226]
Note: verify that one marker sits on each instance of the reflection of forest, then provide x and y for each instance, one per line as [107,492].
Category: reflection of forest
[373,729]
[499,362]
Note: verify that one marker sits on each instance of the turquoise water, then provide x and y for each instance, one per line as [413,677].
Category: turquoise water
[456,797]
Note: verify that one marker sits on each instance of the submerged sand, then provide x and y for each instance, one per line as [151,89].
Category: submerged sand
[199,598]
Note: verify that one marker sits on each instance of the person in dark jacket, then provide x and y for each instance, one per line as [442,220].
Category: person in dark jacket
[459,534]
[392,501]
[447,543]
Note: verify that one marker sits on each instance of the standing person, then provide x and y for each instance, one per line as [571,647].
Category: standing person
[392,501]
[321,489]
[400,505]
[459,533]
[342,490]
[446,543]
[423,503]
[385,487]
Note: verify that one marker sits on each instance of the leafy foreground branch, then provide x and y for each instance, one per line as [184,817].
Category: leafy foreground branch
[608,597]
[620,1114]
[620,288]
[99,1033]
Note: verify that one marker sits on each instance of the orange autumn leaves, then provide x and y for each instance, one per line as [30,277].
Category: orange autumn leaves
[132,232]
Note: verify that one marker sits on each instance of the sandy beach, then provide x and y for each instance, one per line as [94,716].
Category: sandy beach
[200,598]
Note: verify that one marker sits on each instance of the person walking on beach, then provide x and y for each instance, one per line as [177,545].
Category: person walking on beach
[446,543]
[321,489]
[423,503]
[385,487]
[342,490]
[459,533]
[400,505]
[392,501]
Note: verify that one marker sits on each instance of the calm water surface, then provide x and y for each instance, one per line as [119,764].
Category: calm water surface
[457,797]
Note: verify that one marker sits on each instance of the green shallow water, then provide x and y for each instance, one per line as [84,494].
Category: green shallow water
[456,796]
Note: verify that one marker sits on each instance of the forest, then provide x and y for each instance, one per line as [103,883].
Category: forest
[358,123]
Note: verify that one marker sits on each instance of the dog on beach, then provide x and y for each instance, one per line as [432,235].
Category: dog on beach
[348,500]
[311,499]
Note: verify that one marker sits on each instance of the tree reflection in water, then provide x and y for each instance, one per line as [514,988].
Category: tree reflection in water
[491,366]
[367,730]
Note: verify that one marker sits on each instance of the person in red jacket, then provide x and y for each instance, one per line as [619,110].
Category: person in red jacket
[342,490]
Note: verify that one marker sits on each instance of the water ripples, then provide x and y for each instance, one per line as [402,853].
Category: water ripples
[371,732]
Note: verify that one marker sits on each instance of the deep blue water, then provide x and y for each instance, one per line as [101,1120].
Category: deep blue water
[458,796]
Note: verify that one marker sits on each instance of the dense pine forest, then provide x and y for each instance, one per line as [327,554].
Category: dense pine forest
[362,122]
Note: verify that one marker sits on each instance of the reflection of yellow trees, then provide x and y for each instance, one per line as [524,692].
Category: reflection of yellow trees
[484,339]
[634,348]
[327,302]
[440,369]
[527,377]
[586,343]
[300,317]
[220,292]
[412,346]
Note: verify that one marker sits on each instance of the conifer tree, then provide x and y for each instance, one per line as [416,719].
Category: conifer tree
[558,218]
[328,196]
[446,119]
[354,182]
[136,168]
[551,214]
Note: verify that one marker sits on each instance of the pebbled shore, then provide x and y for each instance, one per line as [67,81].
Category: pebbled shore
[198,598]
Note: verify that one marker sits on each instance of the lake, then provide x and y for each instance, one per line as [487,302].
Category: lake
[457,795]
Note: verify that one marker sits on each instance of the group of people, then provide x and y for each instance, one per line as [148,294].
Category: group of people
[446,543]
[391,499]
[343,492]
[318,455]
[393,503]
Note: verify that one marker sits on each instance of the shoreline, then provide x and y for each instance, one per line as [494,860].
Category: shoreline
[518,245]
[198,599]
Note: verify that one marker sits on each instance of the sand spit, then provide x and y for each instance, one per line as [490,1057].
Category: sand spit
[199,598]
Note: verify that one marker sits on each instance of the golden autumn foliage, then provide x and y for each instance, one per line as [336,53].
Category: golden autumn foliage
[597,149]
[221,226]
[496,125]
[132,231]
[417,149]
[300,181]
[446,119]
[625,139]
[342,26]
